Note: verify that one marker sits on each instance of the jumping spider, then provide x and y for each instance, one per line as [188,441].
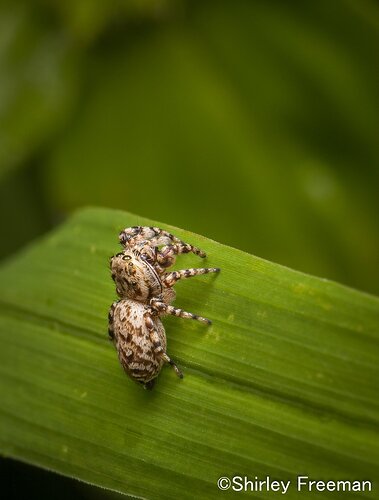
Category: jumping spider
[146,292]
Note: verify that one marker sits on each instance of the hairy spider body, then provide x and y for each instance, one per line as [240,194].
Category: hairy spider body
[134,276]
[132,328]
[145,290]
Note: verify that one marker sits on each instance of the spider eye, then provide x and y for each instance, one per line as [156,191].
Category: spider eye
[126,257]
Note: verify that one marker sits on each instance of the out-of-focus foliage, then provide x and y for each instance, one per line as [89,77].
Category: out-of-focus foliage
[37,81]
[87,19]
[253,122]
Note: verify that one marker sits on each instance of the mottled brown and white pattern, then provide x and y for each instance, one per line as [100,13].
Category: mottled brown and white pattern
[140,340]
[146,293]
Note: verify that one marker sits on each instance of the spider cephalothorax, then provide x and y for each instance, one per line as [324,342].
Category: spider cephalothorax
[134,276]
[145,290]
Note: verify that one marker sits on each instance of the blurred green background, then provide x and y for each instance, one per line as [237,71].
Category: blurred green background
[253,122]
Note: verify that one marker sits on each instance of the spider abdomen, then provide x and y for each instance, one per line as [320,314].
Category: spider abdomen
[137,352]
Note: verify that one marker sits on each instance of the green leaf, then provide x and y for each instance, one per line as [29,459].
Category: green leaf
[284,382]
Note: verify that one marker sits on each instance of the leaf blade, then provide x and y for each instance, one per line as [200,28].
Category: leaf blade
[252,400]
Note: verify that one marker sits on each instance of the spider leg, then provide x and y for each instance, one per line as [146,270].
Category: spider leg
[149,385]
[171,278]
[137,234]
[158,349]
[153,236]
[163,309]
[110,320]
[166,256]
